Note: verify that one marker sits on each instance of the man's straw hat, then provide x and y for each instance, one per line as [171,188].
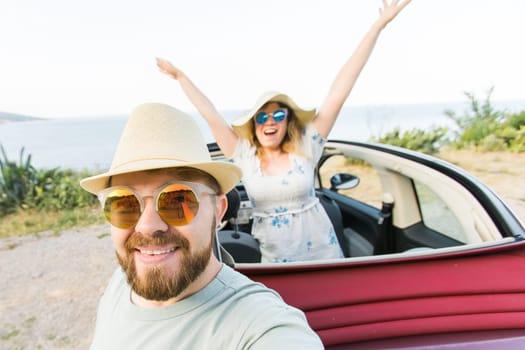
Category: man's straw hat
[160,136]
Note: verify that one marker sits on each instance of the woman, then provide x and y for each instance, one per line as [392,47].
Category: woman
[277,145]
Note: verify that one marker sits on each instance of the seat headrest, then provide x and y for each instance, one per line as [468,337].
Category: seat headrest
[234,203]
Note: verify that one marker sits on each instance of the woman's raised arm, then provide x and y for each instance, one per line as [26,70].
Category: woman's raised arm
[222,131]
[347,76]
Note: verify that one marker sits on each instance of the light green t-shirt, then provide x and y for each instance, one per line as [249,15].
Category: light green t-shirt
[231,312]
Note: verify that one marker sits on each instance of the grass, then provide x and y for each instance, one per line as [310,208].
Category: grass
[31,222]
[11,333]
[29,322]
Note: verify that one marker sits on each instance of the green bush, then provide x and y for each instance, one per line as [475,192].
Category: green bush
[481,127]
[475,125]
[518,143]
[516,121]
[16,181]
[22,186]
[491,143]
[428,142]
[488,129]
[59,189]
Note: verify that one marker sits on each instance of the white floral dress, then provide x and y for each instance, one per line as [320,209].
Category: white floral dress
[288,220]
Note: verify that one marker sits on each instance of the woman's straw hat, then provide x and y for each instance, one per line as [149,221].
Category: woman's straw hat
[160,136]
[243,126]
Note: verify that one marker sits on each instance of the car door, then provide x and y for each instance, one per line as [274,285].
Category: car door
[406,200]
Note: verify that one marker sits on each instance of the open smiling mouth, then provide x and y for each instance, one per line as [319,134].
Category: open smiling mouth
[155,251]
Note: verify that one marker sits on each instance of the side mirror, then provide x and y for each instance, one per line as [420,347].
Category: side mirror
[343,181]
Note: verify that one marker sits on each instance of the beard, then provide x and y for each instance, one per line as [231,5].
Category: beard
[158,283]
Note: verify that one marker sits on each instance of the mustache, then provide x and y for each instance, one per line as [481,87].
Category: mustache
[158,238]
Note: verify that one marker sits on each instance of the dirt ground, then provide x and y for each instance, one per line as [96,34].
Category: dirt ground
[503,172]
[52,283]
[51,286]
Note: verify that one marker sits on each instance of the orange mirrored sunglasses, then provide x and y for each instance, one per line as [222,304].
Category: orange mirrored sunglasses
[177,203]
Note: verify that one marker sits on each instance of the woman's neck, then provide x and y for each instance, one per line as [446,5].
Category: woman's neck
[274,162]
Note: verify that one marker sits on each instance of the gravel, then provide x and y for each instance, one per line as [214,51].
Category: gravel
[51,287]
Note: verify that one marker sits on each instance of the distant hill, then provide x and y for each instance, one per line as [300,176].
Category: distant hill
[12,117]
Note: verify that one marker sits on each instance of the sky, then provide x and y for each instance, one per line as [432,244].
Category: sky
[67,58]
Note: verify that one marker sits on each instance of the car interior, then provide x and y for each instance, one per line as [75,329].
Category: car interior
[382,201]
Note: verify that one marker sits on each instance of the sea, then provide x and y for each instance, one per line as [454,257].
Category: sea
[88,143]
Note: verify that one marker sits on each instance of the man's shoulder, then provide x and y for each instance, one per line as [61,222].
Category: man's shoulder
[238,282]
[262,315]
[243,292]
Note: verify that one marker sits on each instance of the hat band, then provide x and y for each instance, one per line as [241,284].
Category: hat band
[176,161]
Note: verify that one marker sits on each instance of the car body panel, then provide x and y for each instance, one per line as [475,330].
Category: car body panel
[355,300]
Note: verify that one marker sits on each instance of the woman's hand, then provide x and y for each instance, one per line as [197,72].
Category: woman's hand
[390,10]
[347,76]
[169,69]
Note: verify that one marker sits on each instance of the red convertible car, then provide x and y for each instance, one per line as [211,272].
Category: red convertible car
[433,258]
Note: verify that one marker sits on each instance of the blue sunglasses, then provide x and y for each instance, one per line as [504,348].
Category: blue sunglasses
[278,115]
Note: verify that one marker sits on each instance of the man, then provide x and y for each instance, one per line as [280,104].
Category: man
[164,198]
